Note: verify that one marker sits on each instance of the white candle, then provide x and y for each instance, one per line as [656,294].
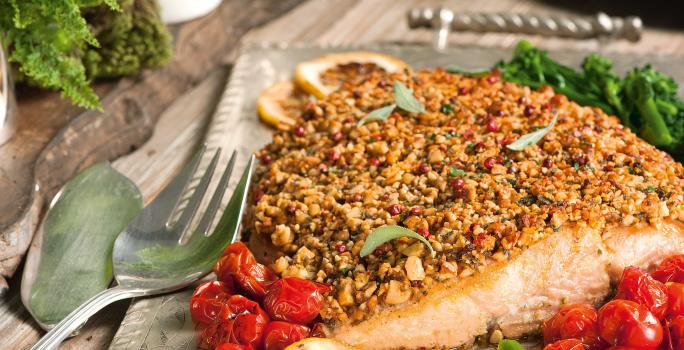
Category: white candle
[176,11]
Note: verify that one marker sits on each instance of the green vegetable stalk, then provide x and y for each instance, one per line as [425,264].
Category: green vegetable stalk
[66,44]
[645,100]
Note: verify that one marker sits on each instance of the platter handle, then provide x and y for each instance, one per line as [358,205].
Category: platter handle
[444,20]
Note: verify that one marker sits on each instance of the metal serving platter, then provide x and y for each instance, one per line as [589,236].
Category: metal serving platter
[164,322]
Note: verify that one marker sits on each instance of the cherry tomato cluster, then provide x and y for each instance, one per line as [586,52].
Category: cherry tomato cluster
[646,314]
[250,308]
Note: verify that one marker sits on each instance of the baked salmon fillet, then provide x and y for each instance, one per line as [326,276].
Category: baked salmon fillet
[516,234]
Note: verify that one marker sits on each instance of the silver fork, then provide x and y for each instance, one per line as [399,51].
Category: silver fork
[148,256]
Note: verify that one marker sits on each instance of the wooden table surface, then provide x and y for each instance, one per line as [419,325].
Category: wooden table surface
[180,127]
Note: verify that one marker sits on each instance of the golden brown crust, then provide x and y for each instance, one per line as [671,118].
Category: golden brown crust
[328,184]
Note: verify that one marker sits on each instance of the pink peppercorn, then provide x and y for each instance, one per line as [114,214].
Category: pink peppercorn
[291,209]
[394,209]
[548,163]
[382,250]
[337,136]
[334,156]
[492,79]
[489,162]
[528,111]
[341,247]
[492,126]
[416,211]
[266,159]
[374,161]
[479,147]
[581,159]
[258,194]
[457,183]
[424,232]
[424,168]
[463,91]
[299,131]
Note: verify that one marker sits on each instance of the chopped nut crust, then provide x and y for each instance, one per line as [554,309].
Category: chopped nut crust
[446,173]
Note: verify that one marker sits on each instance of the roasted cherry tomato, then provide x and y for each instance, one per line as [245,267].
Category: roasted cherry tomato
[241,321]
[239,265]
[278,335]
[671,269]
[206,334]
[676,327]
[293,299]
[636,285]
[229,346]
[577,321]
[675,295]
[208,300]
[626,323]
[566,344]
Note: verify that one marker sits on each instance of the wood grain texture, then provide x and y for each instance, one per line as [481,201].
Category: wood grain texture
[181,127]
[54,141]
[357,21]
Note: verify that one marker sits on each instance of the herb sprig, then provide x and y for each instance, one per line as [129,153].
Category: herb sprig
[385,234]
[533,137]
[403,98]
[477,72]
[380,114]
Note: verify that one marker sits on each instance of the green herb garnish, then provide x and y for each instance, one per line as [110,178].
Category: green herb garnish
[649,189]
[509,344]
[454,171]
[380,114]
[446,108]
[533,137]
[405,100]
[385,234]
[477,72]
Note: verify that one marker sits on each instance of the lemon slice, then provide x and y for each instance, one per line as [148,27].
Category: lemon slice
[318,344]
[279,104]
[325,74]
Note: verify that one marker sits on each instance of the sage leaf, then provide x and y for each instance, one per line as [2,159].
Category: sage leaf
[380,114]
[477,72]
[509,344]
[385,234]
[533,137]
[405,100]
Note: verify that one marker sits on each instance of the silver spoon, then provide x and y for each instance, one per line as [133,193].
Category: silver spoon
[148,256]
